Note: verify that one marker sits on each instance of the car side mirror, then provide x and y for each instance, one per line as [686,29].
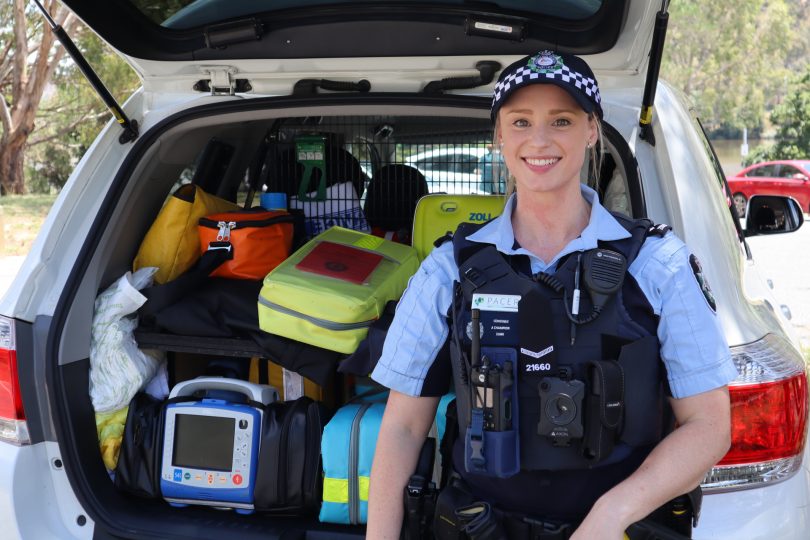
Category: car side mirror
[772,214]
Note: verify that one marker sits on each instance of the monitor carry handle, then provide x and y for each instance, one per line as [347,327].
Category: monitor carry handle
[256,392]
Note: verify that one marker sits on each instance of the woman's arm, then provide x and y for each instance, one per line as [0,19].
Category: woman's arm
[405,426]
[676,466]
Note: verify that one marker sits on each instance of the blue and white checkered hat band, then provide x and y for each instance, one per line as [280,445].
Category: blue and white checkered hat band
[523,75]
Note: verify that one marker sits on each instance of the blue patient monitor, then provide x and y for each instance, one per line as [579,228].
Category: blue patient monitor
[211,444]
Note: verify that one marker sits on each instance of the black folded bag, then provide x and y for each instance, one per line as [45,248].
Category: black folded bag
[228,308]
[289,476]
[138,470]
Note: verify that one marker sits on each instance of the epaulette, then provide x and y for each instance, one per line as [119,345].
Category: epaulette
[658,230]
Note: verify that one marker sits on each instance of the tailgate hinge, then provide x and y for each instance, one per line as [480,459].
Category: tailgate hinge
[221,81]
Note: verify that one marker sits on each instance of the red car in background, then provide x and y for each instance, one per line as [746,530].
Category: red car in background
[788,178]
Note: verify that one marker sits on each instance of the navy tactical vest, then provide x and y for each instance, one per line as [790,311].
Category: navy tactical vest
[585,401]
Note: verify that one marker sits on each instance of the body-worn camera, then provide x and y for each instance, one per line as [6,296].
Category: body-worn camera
[560,410]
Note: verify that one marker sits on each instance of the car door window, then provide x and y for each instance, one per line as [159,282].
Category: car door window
[789,171]
[426,164]
[765,171]
[466,163]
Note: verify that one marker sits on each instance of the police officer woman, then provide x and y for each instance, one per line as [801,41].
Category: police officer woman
[556,315]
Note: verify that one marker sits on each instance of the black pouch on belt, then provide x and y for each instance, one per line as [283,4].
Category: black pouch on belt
[480,522]
[604,409]
[446,524]
[676,518]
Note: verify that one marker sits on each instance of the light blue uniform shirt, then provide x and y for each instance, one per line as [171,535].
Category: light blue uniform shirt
[693,347]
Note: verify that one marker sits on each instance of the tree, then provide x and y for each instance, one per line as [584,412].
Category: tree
[792,121]
[723,55]
[29,56]
[72,114]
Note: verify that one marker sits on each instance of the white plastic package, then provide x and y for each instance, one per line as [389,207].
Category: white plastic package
[118,368]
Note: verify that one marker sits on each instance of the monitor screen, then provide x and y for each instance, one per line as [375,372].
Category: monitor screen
[203,442]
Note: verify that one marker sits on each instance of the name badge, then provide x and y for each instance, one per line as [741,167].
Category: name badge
[496,302]
[498,318]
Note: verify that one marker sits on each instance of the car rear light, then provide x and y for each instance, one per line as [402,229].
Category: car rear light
[13,427]
[768,417]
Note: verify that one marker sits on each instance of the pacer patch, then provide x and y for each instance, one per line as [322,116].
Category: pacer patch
[697,269]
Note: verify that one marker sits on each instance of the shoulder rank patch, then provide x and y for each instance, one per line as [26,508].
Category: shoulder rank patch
[658,230]
[697,269]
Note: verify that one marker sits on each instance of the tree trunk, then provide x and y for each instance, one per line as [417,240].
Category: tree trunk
[12,178]
[30,74]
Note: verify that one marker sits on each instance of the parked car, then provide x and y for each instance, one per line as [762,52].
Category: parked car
[790,178]
[450,170]
[241,73]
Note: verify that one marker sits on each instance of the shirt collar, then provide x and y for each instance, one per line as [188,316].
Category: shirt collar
[602,226]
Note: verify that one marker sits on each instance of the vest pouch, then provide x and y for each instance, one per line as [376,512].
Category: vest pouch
[500,450]
[288,476]
[138,470]
[644,399]
[603,409]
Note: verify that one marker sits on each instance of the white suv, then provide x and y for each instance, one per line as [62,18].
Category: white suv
[228,72]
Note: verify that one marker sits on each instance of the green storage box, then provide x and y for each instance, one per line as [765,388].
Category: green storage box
[329,292]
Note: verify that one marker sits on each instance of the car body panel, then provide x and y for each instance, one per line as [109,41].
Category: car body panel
[763,513]
[28,473]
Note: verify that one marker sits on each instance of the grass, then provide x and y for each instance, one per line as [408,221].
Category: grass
[21,217]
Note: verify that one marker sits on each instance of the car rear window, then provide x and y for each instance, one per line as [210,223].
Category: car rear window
[190,13]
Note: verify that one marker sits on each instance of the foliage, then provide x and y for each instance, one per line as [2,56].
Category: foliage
[72,116]
[162,11]
[49,170]
[28,58]
[722,53]
[792,120]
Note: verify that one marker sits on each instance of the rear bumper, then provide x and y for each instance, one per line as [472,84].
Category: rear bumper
[35,497]
[779,511]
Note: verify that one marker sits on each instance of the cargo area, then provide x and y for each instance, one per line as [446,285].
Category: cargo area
[381,156]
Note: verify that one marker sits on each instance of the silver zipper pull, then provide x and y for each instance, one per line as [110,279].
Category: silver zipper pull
[224,233]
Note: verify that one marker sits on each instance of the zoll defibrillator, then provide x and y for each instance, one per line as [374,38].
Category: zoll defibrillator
[211,444]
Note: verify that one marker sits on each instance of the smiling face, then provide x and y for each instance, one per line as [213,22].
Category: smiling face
[544,134]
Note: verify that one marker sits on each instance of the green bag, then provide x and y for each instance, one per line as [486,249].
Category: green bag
[329,292]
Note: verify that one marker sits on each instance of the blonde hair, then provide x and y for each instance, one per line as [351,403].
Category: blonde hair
[596,156]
